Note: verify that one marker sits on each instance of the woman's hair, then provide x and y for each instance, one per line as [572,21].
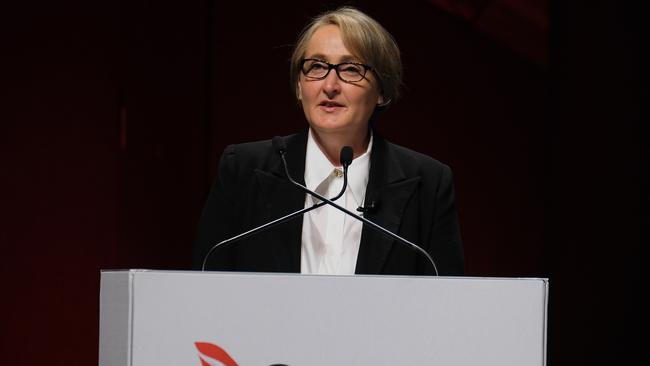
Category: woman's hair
[366,39]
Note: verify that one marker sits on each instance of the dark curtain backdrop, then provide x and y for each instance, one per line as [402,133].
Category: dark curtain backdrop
[115,114]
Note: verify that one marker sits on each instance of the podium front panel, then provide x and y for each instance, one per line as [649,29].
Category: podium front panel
[216,318]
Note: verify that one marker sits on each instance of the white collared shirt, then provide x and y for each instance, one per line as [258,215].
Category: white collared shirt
[331,238]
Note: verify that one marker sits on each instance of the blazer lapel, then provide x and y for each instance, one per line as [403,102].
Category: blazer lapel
[390,189]
[281,198]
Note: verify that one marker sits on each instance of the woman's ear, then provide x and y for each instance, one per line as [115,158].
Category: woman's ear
[381,101]
[299,91]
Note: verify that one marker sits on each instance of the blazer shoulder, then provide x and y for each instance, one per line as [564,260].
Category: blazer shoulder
[249,155]
[258,153]
[249,150]
[416,162]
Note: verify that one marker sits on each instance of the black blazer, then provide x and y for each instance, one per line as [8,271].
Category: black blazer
[413,193]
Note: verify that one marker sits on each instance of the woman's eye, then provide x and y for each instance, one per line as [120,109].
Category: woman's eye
[352,69]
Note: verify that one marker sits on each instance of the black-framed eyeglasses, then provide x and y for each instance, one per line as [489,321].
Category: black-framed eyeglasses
[350,72]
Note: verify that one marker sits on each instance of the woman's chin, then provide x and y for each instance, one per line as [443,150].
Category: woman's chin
[330,128]
[332,125]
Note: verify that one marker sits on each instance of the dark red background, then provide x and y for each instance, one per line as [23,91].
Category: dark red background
[114,114]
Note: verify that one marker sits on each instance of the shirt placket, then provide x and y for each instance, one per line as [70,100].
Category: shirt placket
[335,222]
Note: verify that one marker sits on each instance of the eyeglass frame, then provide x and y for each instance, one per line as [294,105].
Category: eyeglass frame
[330,66]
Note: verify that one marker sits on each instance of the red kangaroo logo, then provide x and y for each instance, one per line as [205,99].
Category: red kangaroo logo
[214,352]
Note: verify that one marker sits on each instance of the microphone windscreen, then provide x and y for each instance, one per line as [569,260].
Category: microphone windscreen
[346,155]
[279,145]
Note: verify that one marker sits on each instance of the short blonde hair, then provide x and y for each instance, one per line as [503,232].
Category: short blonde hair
[366,39]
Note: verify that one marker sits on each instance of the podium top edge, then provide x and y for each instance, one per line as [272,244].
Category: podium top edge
[135,271]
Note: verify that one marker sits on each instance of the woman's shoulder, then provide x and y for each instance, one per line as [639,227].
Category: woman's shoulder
[414,160]
[252,148]
[258,153]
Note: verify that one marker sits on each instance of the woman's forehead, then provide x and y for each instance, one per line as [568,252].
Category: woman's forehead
[327,44]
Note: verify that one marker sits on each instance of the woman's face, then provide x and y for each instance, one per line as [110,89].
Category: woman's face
[331,104]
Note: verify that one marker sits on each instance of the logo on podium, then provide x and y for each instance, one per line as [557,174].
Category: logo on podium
[212,355]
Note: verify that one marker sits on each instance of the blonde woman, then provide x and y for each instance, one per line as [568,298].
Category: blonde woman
[345,69]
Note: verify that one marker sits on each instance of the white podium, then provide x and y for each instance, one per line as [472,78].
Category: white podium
[175,318]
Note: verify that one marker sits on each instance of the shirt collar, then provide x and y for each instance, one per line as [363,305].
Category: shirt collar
[318,168]
[358,174]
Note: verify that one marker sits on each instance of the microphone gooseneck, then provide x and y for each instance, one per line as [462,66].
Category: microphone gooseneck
[362,219]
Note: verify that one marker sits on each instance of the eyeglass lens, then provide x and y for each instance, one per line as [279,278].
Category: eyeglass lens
[347,71]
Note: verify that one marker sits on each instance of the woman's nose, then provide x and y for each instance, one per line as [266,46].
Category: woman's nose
[332,84]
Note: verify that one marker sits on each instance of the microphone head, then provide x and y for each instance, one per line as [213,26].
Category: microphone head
[279,145]
[346,156]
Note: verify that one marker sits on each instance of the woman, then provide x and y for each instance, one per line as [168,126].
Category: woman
[346,69]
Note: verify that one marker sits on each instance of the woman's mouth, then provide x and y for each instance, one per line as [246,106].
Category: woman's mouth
[330,106]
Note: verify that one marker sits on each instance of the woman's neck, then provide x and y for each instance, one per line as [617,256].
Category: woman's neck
[332,143]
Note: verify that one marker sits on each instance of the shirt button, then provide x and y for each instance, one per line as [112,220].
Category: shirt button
[338,173]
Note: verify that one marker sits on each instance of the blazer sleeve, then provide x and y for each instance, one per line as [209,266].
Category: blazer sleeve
[445,241]
[218,219]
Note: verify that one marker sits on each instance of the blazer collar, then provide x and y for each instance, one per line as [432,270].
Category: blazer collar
[389,188]
[282,197]
[295,155]
[384,167]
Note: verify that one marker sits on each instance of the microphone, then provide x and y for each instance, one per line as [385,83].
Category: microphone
[346,157]
[371,207]
[281,148]
[279,145]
